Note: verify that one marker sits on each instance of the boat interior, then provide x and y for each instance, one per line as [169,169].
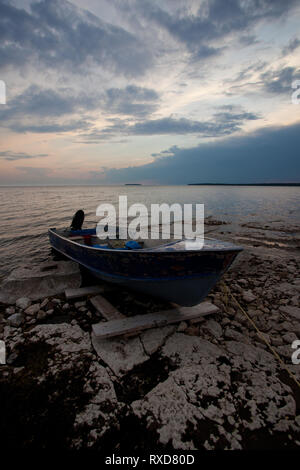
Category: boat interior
[88,237]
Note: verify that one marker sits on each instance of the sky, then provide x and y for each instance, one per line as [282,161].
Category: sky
[149,91]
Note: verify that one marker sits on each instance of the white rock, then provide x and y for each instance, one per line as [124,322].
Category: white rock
[39,281]
[184,349]
[248,296]
[23,302]
[203,394]
[120,354]
[66,339]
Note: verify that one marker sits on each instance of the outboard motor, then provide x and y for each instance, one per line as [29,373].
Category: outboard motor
[77,220]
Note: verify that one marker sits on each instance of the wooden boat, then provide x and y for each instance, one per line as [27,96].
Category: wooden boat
[161,268]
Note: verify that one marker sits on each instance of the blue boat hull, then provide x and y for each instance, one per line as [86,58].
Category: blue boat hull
[181,277]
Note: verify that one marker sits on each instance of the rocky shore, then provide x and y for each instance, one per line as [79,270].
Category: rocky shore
[207,385]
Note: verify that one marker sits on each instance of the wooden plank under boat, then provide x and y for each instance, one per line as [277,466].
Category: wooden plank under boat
[161,268]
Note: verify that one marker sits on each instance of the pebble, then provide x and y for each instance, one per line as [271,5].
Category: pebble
[291,310]
[289,337]
[192,330]
[44,303]
[285,351]
[23,303]
[235,335]
[15,320]
[10,310]
[83,309]
[41,315]
[11,358]
[277,341]
[182,326]
[248,297]
[213,328]
[260,340]
[33,309]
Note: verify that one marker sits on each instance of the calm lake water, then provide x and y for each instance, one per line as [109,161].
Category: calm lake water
[27,212]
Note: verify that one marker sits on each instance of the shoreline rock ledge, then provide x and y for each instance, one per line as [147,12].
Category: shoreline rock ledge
[38,281]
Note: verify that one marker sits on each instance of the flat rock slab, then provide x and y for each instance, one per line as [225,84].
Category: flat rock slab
[192,411]
[41,280]
[183,350]
[225,397]
[121,355]
[153,339]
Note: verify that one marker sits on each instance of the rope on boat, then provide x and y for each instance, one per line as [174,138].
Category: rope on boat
[260,334]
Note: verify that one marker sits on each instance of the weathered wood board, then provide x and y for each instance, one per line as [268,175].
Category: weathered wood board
[128,325]
[106,309]
[83,292]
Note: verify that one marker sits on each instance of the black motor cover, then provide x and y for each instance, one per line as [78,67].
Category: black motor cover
[77,220]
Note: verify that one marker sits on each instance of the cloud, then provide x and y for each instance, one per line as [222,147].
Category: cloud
[258,78]
[214,20]
[55,33]
[279,81]
[38,102]
[248,72]
[39,110]
[258,157]
[132,100]
[50,127]
[222,123]
[291,46]
[181,126]
[248,40]
[46,110]
[13,156]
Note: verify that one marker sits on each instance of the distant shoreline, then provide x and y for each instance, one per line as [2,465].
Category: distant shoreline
[243,184]
[144,185]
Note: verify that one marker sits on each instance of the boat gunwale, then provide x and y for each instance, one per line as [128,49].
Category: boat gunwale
[233,248]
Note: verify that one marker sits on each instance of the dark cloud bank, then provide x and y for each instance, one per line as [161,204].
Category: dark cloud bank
[270,155]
